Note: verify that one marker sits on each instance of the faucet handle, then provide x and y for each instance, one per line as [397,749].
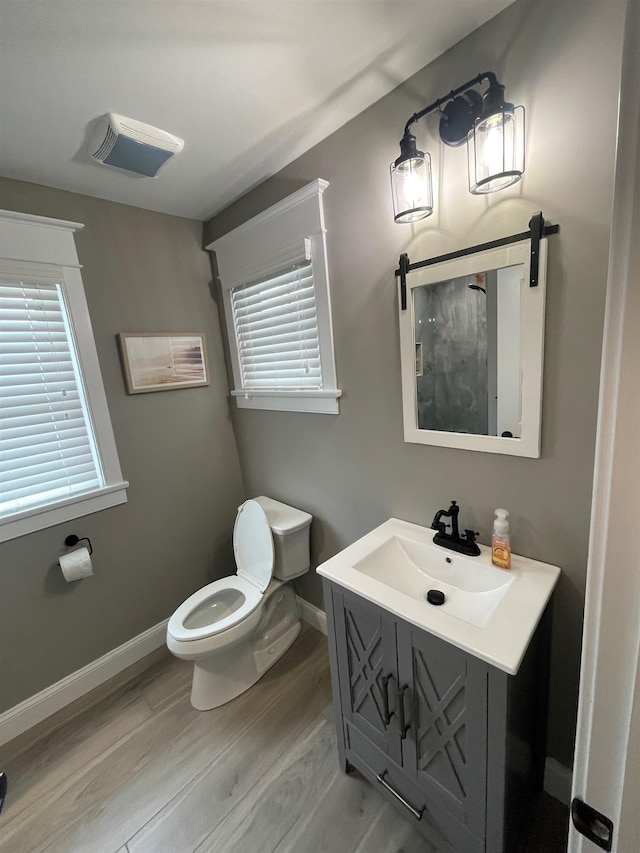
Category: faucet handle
[471,535]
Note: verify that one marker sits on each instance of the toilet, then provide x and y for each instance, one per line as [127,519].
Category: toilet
[235,628]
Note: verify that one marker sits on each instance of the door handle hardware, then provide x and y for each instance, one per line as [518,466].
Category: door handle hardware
[598,828]
[386,713]
[404,725]
[417,814]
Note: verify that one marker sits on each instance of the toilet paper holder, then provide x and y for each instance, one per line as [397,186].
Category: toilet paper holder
[72,540]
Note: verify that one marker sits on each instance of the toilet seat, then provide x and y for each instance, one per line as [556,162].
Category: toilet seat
[252,598]
[254,553]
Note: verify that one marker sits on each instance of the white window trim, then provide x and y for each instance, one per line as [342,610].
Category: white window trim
[263,246]
[37,245]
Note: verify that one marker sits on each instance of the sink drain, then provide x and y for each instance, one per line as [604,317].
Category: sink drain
[435,596]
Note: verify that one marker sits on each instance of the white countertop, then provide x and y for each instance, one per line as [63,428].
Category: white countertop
[504,639]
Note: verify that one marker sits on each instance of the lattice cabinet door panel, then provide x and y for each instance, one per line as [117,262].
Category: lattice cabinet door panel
[367,669]
[445,748]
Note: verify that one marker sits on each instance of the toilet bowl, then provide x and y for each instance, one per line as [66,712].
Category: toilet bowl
[236,628]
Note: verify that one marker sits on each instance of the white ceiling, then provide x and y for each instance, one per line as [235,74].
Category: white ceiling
[249,85]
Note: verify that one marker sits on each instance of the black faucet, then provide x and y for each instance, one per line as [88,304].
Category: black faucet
[462,544]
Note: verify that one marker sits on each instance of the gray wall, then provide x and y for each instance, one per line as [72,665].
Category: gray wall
[142,271]
[352,471]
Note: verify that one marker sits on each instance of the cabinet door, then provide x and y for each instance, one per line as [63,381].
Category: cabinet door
[445,703]
[367,669]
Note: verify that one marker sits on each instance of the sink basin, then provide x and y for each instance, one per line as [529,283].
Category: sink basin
[489,612]
[472,590]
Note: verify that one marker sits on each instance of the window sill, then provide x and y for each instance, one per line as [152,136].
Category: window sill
[31,520]
[317,402]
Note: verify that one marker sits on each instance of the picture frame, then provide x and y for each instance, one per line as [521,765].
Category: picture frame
[163,361]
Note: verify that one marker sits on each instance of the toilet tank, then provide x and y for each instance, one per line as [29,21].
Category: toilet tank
[290,530]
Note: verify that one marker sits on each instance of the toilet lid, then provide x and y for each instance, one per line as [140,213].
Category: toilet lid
[253,545]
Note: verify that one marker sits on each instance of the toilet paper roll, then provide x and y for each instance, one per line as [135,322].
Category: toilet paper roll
[76,564]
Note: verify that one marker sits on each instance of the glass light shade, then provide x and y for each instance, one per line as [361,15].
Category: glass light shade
[495,150]
[411,188]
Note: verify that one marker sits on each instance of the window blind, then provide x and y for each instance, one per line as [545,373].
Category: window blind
[276,327]
[47,448]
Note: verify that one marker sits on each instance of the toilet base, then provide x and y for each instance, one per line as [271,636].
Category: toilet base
[221,677]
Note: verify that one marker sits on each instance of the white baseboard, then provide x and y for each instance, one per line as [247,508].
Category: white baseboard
[37,708]
[52,699]
[313,615]
[557,780]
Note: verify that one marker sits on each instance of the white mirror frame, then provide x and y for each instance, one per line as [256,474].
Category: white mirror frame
[531,343]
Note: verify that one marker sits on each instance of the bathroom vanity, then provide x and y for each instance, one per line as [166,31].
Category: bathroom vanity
[445,714]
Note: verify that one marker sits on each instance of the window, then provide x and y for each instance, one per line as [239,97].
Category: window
[276,330]
[58,458]
[273,271]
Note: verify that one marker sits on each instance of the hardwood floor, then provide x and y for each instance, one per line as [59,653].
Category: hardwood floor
[143,772]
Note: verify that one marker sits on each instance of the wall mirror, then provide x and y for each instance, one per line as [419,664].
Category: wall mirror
[472,347]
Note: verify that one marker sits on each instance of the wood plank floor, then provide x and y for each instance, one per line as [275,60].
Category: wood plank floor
[142,772]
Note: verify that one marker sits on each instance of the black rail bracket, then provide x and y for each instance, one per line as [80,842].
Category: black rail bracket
[402,271]
[537,230]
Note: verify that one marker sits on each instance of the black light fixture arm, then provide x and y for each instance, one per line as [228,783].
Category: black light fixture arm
[485,75]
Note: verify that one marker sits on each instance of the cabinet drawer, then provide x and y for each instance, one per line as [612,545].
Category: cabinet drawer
[441,829]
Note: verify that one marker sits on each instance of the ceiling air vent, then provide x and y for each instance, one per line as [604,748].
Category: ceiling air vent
[132,145]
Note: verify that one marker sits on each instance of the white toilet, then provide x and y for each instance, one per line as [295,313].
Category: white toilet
[235,628]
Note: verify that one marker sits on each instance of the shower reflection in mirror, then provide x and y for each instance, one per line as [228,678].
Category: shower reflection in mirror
[467,345]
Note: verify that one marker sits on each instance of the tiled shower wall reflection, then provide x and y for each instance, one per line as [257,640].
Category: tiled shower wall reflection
[451,327]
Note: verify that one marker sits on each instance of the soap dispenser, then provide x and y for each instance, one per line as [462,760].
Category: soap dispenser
[500,541]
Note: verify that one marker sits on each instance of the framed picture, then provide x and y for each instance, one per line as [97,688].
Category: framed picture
[160,361]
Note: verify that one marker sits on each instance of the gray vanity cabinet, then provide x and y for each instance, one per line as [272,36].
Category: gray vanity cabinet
[453,742]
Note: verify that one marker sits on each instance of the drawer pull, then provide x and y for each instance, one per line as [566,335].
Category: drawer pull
[417,814]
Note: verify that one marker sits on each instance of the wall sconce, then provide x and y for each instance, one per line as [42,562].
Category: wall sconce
[493,130]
